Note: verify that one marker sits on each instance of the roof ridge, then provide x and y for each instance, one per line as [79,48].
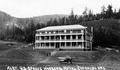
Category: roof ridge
[77,26]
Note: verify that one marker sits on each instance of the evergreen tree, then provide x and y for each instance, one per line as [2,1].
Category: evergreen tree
[109,12]
[103,12]
[72,18]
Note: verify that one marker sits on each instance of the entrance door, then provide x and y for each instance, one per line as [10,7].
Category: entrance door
[57,45]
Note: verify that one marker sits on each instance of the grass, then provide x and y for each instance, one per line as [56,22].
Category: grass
[21,54]
[24,56]
[13,53]
[111,61]
[18,54]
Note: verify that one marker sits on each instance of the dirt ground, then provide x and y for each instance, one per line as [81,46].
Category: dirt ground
[111,61]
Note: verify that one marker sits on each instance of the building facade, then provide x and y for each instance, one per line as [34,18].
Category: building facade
[63,37]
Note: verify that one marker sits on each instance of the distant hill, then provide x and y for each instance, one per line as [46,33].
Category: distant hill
[44,19]
[4,18]
[7,20]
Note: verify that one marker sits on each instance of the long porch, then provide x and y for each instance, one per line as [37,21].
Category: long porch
[64,45]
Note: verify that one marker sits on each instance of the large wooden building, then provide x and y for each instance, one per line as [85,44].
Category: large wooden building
[63,37]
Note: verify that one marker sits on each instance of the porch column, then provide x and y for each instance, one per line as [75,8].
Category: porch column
[60,45]
[39,37]
[60,37]
[76,37]
[65,38]
[65,44]
[71,37]
[71,44]
[77,44]
[49,37]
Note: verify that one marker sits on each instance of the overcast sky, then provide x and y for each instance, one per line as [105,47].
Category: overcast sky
[29,8]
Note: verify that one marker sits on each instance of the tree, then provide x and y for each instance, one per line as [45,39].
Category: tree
[118,14]
[103,12]
[109,12]
[85,12]
[90,15]
[72,18]
[29,32]
[62,21]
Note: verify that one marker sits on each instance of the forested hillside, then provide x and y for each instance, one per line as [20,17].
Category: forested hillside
[106,26]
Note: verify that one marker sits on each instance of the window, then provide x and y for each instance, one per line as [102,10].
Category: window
[52,37]
[57,31]
[57,37]
[39,38]
[46,32]
[68,37]
[42,38]
[62,44]
[68,44]
[79,36]
[82,31]
[77,31]
[74,36]
[42,44]
[37,32]
[45,38]
[54,32]
[36,38]
[40,33]
[71,31]
[52,44]
[79,44]
[49,32]
[62,37]
[61,31]
[64,31]
[73,43]
[36,44]
[47,44]
[68,31]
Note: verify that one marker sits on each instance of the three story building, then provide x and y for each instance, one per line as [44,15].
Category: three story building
[64,37]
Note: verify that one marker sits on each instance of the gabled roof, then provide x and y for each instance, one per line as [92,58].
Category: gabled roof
[62,27]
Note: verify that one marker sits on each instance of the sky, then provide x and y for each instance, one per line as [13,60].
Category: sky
[30,8]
